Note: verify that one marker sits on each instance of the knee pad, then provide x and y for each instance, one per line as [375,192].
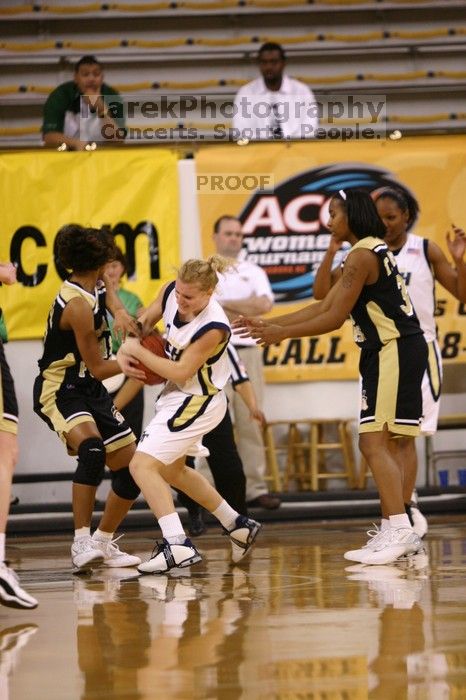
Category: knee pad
[91,462]
[124,485]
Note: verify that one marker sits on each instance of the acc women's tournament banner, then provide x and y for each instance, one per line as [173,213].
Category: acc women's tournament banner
[133,192]
[281,192]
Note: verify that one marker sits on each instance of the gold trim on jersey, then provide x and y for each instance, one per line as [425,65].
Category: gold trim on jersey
[8,424]
[62,432]
[395,428]
[434,370]
[389,377]
[386,328]
[52,379]
[114,445]
[111,445]
[369,243]
[191,408]
[70,290]
[204,373]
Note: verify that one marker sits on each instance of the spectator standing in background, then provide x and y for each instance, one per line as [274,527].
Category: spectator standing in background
[77,113]
[245,290]
[274,106]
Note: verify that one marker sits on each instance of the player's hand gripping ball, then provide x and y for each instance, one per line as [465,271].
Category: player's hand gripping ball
[155,343]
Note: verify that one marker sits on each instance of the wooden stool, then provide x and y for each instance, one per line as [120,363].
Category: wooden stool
[273,475]
[305,463]
[318,446]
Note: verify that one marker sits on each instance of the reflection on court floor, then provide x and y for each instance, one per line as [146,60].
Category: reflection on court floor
[295,621]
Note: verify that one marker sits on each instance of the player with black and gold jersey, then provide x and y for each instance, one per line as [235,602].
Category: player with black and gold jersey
[70,397]
[393,357]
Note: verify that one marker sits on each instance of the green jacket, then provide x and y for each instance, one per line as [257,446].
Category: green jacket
[66,98]
[3,331]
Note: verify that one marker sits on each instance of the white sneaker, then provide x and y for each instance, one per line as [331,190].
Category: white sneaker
[242,537]
[113,556]
[11,593]
[420,526]
[360,554]
[85,553]
[169,556]
[392,544]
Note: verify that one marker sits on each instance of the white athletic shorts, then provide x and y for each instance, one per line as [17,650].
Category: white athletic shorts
[180,422]
[431,386]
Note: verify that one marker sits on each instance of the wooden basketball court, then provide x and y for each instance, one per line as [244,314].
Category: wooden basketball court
[295,621]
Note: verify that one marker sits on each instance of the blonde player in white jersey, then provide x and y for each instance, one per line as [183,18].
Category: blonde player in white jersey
[190,405]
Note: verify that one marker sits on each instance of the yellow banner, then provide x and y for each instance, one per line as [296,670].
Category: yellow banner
[134,192]
[281,191]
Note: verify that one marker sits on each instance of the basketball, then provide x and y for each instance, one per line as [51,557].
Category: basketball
[153,342]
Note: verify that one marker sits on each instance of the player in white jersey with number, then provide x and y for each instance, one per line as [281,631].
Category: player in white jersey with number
[191,404]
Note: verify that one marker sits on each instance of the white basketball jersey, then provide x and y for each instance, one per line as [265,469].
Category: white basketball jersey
[215,372]
[414,266]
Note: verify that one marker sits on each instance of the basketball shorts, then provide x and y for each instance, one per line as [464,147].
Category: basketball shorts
[8,402]
[65,407]
[391,380]
[179,424]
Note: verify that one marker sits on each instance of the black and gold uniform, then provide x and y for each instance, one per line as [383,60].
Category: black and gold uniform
[8,402]
[65,392]
[393,349]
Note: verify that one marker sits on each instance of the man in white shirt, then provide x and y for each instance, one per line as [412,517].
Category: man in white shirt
[245,290]
[274,106]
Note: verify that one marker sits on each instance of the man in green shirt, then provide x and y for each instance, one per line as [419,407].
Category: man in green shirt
[83,110]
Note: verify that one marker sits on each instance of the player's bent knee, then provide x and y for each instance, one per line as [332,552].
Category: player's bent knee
[91,462]
[124,485]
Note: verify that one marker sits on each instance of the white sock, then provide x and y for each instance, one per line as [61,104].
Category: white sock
[399,521]
[384,524]
[2,547]
[226,515]
[172,529]
[82,532]
[102,536]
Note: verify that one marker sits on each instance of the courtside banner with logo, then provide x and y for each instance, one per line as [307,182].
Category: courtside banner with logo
[133,192]
[281,194]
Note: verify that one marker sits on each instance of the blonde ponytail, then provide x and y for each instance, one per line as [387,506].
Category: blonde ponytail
[204,272]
